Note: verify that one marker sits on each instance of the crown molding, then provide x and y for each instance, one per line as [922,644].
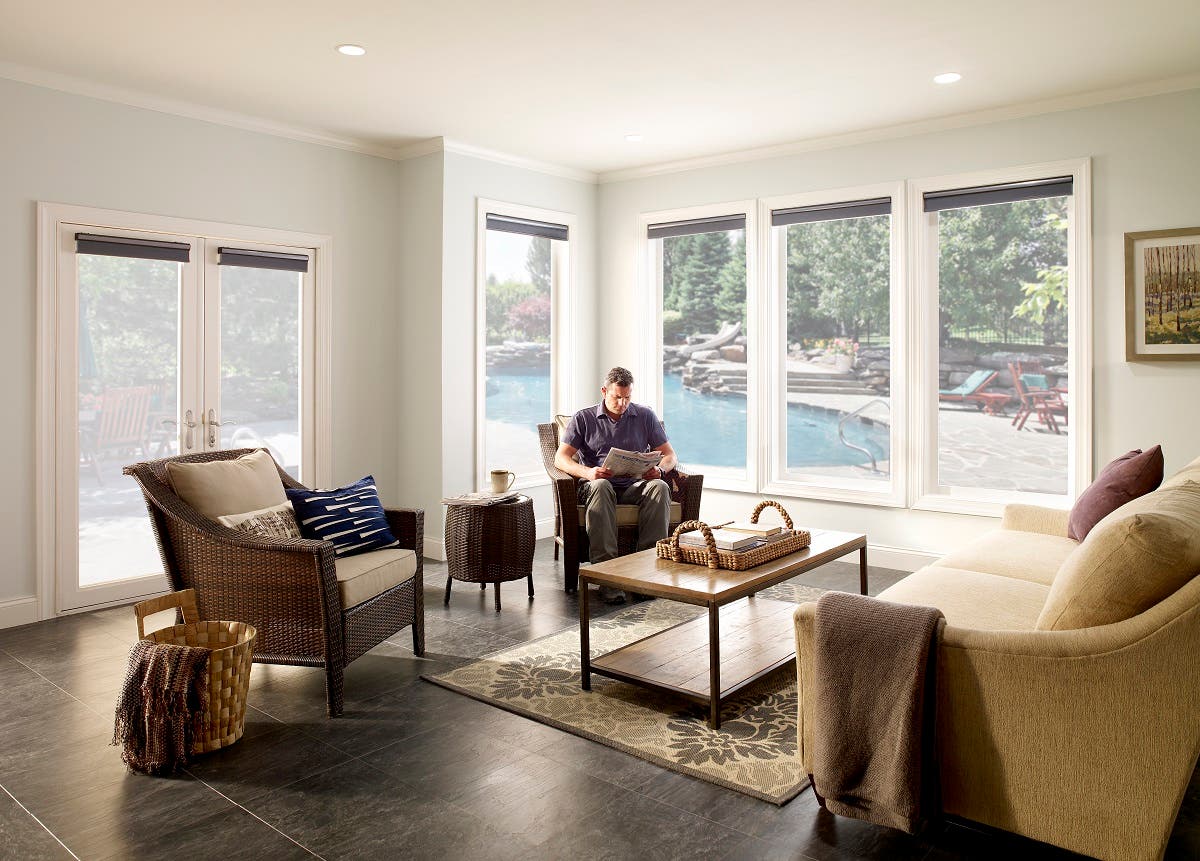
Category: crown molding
[462,148]
[189,110]
[882,133]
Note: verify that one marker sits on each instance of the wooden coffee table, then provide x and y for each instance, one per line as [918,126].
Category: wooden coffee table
[681,659]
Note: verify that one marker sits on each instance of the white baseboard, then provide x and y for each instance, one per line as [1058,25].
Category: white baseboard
[897,558]
[18,611]
[545,528]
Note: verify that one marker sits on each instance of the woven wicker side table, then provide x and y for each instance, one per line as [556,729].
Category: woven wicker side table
[490,544]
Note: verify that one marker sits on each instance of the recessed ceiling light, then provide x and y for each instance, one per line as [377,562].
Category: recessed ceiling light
[633,138]
[351,50]
[947,78]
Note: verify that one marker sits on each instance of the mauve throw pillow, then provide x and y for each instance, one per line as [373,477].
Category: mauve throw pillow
[1126,478]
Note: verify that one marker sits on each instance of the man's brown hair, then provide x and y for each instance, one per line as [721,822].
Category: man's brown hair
[618,376]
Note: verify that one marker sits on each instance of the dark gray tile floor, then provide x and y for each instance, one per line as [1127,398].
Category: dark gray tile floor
[411,770]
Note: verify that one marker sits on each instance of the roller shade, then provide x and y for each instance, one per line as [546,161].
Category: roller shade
[526,227]
[121,246]
[696,225]
[262,259]
[1008,192]
[831,211]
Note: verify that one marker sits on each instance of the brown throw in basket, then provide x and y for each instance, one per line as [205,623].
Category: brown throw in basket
[228,675]
[670,548]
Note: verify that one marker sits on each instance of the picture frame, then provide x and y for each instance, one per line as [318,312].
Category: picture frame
[1162,295]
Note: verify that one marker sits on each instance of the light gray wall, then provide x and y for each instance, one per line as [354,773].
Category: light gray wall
[70,149]
[1145,176]
[466,180]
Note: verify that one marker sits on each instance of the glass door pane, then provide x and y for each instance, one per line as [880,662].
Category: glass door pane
[261,313]
[128,407]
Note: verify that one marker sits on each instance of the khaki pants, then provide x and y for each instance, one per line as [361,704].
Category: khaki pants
[600,498]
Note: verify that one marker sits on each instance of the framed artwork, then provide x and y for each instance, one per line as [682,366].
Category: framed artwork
[1162,295]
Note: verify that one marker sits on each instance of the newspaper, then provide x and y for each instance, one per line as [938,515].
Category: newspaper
[630,463]
[482,498]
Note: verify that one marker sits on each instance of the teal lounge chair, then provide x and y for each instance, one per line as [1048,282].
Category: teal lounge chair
[972,385]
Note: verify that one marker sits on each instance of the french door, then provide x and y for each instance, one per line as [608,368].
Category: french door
[167,344]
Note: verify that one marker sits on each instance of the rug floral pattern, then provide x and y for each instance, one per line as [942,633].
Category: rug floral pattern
[753,752]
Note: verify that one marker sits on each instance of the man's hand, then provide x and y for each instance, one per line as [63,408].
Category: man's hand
[652,473]
[596,472]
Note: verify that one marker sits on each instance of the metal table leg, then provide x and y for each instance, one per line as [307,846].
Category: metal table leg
[714,666]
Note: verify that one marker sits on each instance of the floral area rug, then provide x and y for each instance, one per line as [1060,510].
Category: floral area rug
[753,752]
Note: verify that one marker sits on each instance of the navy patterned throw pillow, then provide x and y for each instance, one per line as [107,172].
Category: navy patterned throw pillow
[351,517]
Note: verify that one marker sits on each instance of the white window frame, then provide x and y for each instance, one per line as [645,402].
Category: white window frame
[778,479]
[650,360]
[57,452]
[563,278]
[922,380]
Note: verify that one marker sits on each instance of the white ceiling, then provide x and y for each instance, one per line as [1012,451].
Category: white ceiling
[563,82]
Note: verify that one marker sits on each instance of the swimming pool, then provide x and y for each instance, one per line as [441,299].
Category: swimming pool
[705,430]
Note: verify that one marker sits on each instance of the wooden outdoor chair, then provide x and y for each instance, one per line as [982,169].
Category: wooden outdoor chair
[120,426]
[1036,397]
[286,588]
[569,532]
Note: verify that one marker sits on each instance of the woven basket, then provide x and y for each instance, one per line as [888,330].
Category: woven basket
[670,548]
[227,676]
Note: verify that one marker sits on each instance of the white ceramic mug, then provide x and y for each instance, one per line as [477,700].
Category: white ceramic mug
[502,480]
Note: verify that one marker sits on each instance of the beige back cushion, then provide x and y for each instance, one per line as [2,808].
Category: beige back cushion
[1191,472]
[218,487]
[1132,559]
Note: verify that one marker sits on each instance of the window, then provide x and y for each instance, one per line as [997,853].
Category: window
[524,255]
[831,345]
[1002,286]
[701,265]
[160,337]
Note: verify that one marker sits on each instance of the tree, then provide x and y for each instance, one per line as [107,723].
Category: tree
[537,263]
[692,278]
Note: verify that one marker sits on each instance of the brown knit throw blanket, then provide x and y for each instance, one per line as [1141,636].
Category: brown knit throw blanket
[873,744]
[163,705]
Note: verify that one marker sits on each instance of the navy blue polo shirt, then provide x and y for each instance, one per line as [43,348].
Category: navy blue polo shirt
[593,433]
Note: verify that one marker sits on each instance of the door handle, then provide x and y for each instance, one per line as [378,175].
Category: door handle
[189,423]
[213,424]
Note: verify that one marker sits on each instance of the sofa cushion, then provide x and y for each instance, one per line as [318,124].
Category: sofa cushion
[216,487]
[362,577]
[972,599]
[1129,476]
[1132,559]
[352,517]
[278,521]
[627,515]
[1031,556]
[1191,472]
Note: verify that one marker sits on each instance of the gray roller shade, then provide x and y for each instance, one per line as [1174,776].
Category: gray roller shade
[262,259]
[831,211]
[121,246]
[526,227]
[1009,192]
[715,224]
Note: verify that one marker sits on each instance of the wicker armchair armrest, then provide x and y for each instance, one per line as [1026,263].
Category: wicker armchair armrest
[693,487]
[408,525]
[566,492]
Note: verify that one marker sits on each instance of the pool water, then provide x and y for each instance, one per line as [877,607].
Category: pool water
[706,430]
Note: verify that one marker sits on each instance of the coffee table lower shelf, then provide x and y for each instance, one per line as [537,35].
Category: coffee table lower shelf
[708,659]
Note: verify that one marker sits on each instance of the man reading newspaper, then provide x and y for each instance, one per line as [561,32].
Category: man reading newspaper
[617,423]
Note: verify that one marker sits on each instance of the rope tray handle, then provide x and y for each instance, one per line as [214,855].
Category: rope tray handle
[770,503]
[688,526]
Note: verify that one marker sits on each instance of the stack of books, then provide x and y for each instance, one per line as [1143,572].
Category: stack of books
[736,537]
[481,498]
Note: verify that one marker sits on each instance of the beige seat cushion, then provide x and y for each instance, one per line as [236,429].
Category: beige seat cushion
[1191,472]
[627,515]
[1028,556]
[214,488]
[1132,559]
[972,599]
[362,577]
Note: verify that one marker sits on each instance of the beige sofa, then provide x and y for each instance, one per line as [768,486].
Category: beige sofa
[1068,677]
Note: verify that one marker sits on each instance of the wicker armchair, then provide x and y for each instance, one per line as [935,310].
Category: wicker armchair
[286,588]
[569,531]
